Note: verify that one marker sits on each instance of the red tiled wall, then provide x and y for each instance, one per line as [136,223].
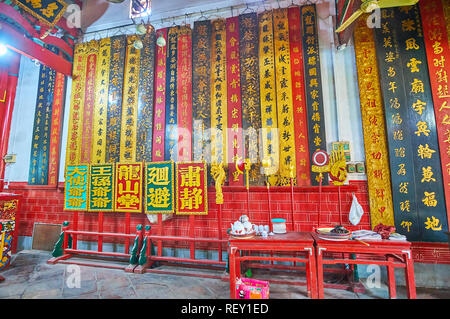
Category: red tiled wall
[46,206]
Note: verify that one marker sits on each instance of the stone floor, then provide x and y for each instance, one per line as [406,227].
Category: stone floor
[29,276]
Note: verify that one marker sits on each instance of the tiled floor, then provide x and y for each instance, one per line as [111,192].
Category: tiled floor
[29,276]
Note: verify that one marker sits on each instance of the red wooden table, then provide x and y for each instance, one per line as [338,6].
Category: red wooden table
[298,242]
[387,253]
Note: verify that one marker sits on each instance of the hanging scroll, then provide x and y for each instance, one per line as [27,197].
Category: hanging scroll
[234,116]
[89,100]
[438,51]
[201,90]
[184,95]
[128,188]
[99,120]
[171,139]
[47,12]
[313,85]
[192,188]
[372,113]
[429,188]
[144,128]
[159,188]
[251,112]
[284,97]
[40,144]
[268,94]
[75,131]
[160,99]
[114,114]
[130,102]
[401,156]
[76,188]
[56,124]
[218,93]
[299,99]
[101,188]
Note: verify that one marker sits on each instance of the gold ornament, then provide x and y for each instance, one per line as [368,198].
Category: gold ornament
[338,164]
[218,173]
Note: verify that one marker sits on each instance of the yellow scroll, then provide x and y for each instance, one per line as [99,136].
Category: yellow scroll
[380,193]
[268,94]
[218,93]
[99,120]
[130,102]
[73,153]
[284,95]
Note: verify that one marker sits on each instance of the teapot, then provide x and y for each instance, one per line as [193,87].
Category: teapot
[237,228]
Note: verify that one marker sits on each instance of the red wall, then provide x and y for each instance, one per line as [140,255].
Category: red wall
[45,205]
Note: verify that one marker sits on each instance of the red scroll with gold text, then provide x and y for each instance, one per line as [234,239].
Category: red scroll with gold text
[184,87]
[128,187]
[235,138]
[191,188]
[298,98]
[57,111]
[380,195]
[438,55]
[160,98]
[89,100]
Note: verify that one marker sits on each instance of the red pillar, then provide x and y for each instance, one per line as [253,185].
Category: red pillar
[9,73]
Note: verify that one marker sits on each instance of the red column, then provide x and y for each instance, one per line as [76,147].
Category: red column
[9,72]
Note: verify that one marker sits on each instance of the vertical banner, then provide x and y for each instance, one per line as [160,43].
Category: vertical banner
[144,130]
[76,188]
[128,187]
[269,147]
[40,144]
[56,124]
[184,93]
[201,90]
[218,93]
[234,115]
[251,112]
[446,9]
[171,139]
[401,155]
[284,97]
[299,99]
[115,91]
[377,163]
[89,100]
[160,99]
[75,130]
[428,174]
[313,85]
[130,102]
[192,188]
[101,188]
[438,51]
[159,188]
[100,115]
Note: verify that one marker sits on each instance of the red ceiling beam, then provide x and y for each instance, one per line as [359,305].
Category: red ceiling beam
[21,44]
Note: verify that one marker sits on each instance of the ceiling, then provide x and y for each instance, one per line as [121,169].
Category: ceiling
[187,11]
[117,13]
